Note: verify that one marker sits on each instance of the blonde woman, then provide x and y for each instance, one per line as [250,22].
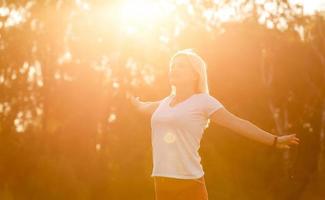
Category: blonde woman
[178,122]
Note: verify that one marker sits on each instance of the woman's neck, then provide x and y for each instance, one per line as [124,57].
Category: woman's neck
[184,93]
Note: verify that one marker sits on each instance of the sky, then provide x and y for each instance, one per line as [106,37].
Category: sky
[311,5]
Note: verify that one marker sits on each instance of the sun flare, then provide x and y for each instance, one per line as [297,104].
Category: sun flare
[139,15]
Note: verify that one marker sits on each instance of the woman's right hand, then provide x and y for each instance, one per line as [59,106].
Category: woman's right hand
[135,101]
[147,107]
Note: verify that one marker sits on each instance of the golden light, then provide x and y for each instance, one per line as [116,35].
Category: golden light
[82,5]
[139,15]
[226,13]
[310,6]
[98,147]
[12,16]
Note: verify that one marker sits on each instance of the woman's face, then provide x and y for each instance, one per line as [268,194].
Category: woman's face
[181,73]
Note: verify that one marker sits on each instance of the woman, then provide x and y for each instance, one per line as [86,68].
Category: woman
[178,122]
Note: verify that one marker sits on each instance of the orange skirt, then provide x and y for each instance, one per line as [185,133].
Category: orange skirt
[180,189]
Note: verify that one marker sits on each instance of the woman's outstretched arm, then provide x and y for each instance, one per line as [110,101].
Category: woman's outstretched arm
[147,107]
[244,127]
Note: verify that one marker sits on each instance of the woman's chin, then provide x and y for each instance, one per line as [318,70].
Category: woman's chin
[178,83]
[173,83]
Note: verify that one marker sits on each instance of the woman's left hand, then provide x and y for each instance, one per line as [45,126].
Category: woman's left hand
[285,141]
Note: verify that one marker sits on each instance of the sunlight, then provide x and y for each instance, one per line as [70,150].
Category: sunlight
[98,147]
[170,137]
[2,78]
[5,108]
[13,17]
[226,13]
[138,14]
[111,118]
[310,6]
[22,120]
[83,5]
[66,57]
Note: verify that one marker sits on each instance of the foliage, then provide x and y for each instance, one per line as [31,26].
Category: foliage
[67,130]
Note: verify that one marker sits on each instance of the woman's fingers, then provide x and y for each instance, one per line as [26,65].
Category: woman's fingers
[294,142]
[292,137]
[135,100]
[287,140]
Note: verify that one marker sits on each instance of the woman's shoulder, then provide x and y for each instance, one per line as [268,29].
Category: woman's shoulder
[203,95]
[206,97]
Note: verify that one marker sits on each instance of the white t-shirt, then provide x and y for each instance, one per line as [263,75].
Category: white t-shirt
[176,133]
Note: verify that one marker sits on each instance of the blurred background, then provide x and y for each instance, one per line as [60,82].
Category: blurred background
[68,130]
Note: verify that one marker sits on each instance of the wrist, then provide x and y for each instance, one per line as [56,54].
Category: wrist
[275,141]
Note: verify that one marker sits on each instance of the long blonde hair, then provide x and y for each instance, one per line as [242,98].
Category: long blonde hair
[198,64]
